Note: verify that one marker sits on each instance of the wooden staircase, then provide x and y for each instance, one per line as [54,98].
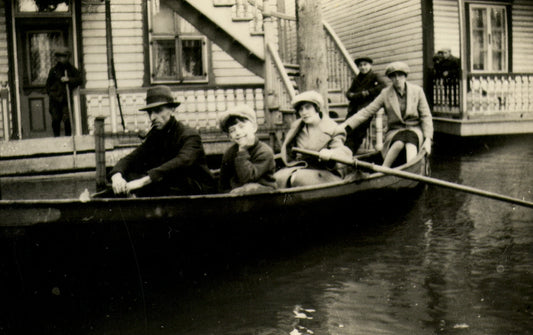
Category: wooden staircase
[229,27]
[337,103]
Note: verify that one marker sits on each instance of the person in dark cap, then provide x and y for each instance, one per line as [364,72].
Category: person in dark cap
[170,161]
[365,87]
[446,65]
[248,166]
[409,121]
[62,74]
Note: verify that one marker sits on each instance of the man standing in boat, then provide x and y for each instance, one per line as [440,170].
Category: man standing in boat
[170,161]
[365,87]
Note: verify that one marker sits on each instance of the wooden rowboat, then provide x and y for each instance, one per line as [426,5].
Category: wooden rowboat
[359,185]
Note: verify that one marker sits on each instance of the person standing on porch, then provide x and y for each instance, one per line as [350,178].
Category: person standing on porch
[446,65]
[410,125]
[365,87]
[170,161]
[62,74]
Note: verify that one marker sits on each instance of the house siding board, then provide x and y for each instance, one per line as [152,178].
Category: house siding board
[228,71]
[446,25]
[522,38]
[386,30]
[127,44]
[128,49]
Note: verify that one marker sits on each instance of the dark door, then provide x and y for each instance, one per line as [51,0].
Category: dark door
[37,40]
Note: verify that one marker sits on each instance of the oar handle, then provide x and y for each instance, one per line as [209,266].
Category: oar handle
[343,160]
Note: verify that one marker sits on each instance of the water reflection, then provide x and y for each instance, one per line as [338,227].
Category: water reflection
[452,263]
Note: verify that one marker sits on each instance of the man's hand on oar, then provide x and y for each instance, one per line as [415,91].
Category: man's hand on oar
[120,185]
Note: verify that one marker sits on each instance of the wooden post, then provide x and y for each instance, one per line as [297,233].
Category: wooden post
[463,113]
[99,153]
[271,103]
[312,48]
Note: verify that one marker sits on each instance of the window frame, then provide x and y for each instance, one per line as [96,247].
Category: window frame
[27,57]
[19,13]
[487,35]
[178,38]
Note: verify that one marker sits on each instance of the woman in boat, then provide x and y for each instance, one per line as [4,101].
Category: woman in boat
[410,125]
[313,130]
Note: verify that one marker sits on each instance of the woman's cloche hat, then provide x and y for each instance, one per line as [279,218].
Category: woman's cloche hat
[397,67]
[157,96]
[308,96]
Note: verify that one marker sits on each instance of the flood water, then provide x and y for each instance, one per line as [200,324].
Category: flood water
[449,263]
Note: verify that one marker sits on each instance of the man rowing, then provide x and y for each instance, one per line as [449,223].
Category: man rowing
[170,161]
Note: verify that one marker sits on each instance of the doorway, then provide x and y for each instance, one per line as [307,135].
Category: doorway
[40,27]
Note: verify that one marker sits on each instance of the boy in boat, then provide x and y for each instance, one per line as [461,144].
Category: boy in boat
[248,165]
[314,130]
[171,159]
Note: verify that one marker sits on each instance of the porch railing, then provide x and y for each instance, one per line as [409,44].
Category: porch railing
[446,96]
[200,108]
[502,94]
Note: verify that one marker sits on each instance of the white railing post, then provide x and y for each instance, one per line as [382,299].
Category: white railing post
[379,130]
[4,96]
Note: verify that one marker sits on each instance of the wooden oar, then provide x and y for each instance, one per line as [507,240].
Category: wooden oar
[414,176]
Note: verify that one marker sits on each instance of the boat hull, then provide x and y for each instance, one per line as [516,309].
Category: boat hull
[216,206]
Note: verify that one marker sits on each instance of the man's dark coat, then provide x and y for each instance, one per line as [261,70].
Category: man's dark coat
[174,159]
[56,89]
[373,84]
[370,82]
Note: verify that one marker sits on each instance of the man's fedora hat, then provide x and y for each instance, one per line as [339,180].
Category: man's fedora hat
[363,59]
[157,96]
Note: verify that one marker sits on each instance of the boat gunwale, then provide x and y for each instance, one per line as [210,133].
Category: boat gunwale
[283,191]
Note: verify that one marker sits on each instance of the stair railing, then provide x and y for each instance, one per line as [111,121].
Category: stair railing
[282,86]
[341,68]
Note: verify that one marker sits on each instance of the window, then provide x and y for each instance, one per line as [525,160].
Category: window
[488,38]
[42,6]
[178,50]
[41,45]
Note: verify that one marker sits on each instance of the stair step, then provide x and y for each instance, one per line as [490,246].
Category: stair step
[291,65]
[223,3]
[242,19]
